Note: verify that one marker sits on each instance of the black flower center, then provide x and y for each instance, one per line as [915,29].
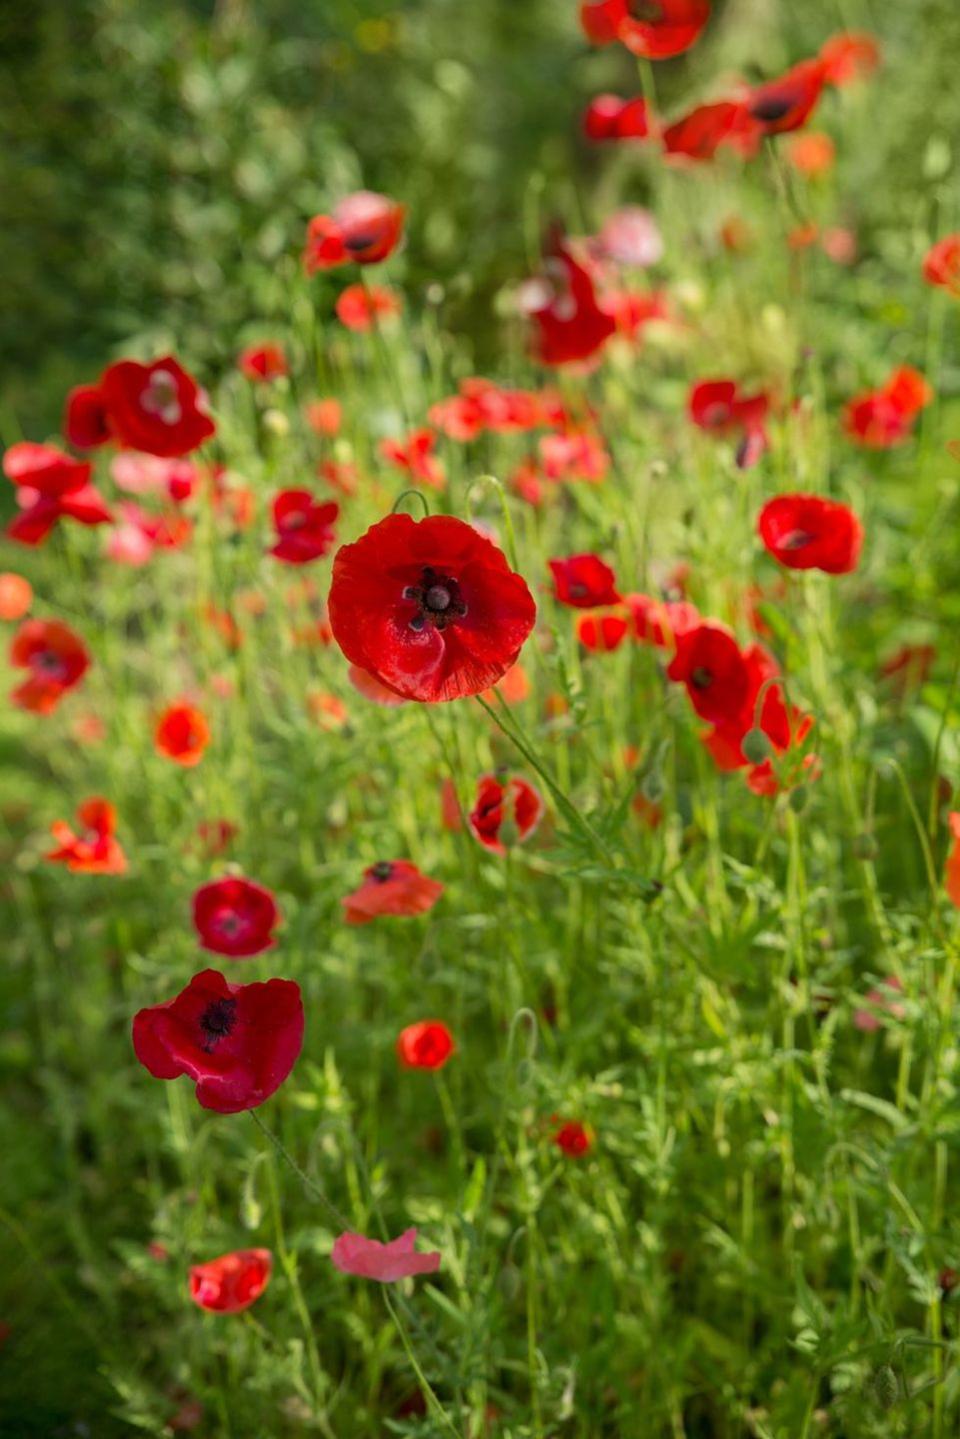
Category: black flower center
[701,678]
[217,1021]
[796,540]
[772,108]
[437,598]
[381,871]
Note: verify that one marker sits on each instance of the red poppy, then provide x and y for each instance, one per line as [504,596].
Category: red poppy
[369,1259]
[51,486]
[603,632]
[584,581]
[364,228]
[879,419]
[362,307]
[428,1044]
[787,103]
[572,326]
[849,56]
[574,455]
[215,835]
[324,416]
[157,408]
[235,917]
[708,661]
[813,153]
[263,362]
[56,658]
[393,887]
[700,133]
[238,1041]
[808,532]
[414,454]
[574,1138]
[941,265]
[429,607]
[952,874]
[304,527]
[601,19]
[659,29]
[370,687]
[661,622]
[504,801]
[85,421]
[764,708]
[96,849]
[607,117]
[721,407]
[182,734]
[16,595]
[231,1283]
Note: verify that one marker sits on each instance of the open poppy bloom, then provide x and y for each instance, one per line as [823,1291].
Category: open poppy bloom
[808,532]
[654,29]
[361,307]
[237,1041]
[182,734]
[941,265]
[415,455]
[429,607]
[586,582]
[783,728]
[503,802]
[369,1259]
[660,622]
[603,631]
[231,1283]
[56,659]
[851,55]
[708,661]
[304,527]
[156,408]
[607,117]
[364,228]
[95,850]
[428,1044]
[574,1138]
[787,103]
[263,362]
[50,486]
[235,917]
[371,688]
[391,887]
[571,324]
[698,135]
[721,407]
[881,418]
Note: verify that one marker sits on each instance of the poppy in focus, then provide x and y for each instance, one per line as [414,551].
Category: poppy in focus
[95,850]
[394,887]
[369,1259]
[182,734]
[304,527]
[235,917]
[364,228]
[231,1283]
[428,1044]
[808,532]
[505,807]
[56,660]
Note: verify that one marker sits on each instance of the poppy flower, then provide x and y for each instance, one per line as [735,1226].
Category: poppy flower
[324,417]
[393,887]
[231,1283]
[415,455]
[235,917]
[630,236]
[96,849]
[509,801]
[941,265]
[585,582]
[369,1259]
[362,307]
[182,734]
[708,661]
[607,117]
[660,29]
[262,362]
[699,134]
[879,419]
[429,607]
[371,688]
[571,324]
[50,485]
[603,632]
[304,527]
[364,228]
[574,455]
[85,421]
[157,408]
[601,19]
[787,103]
[952,875]
[16,595]
[812,153]
[138,474]
[56,660]
[574,1138]
[237,1041]
[660,622]
[428,1044]
[849,56]
[721,407]
[808,532]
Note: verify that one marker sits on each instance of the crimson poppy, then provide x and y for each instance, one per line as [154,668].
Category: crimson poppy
[764,708]
[608,117]
[237,1041]
[232,1282]
[786,103]
[708,661]
[56,659]
[394,887]
[585,582]
[372,689]
[235,917]
[505,801]
[304,527]
[361,307]
[941,265]
[263,362]
[157,408]
[16,595]
[96,849]
[364,228]
[601,19]
[660,622]
[721,406]
[572,325]
[699,134]
[574,455]
[849,56]
[574,1138]
[369,1259]
[50,486]
[604,631]
[428,1044]
[809,532]
[414,454]
[182,734]
[85,421]
[879,419]
[660,29]
[429,607]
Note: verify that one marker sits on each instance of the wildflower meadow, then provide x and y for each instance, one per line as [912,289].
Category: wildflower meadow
[480,768]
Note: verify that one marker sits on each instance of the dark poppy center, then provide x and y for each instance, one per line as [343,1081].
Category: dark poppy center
[717,413]
[217,1021]
[647,10]
[50,664]
[701,678]
[796,540]
[437,598]
[382,871]
[356,244]
[772,108]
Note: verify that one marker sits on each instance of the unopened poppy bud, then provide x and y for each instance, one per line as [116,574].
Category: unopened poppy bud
[798,799]
[756,747]
[865,846]
[885,1386]
[652,786]
[276,422]
[509,834]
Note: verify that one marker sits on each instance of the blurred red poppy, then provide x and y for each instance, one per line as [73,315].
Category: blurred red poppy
[787,103]
[85,422]
[156,408]
[585,582]
[16,595]
[574,1138]
[96,849]
[661,622]
[708,661]
[660,29]
[237,1041]
[809,532]
[879,419]
[324,416]
[304,527]
[721,407]
[849,56]
[231,1283]
[952,875]
[50,486]
[414,454]
[428,1044]
[699,134]
[603,632]
[235,917]
[361,307]
[607,117]
[56,660]
[369,1259]
[571,324]
[182,734]
[394,887]
[505,807]
[812,153]
[263,362]
[364,228]
[941,265]
[429,607]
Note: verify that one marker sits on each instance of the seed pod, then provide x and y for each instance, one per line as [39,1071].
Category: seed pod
[756,747]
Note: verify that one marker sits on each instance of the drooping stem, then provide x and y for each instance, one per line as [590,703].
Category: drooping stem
[304,1178]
